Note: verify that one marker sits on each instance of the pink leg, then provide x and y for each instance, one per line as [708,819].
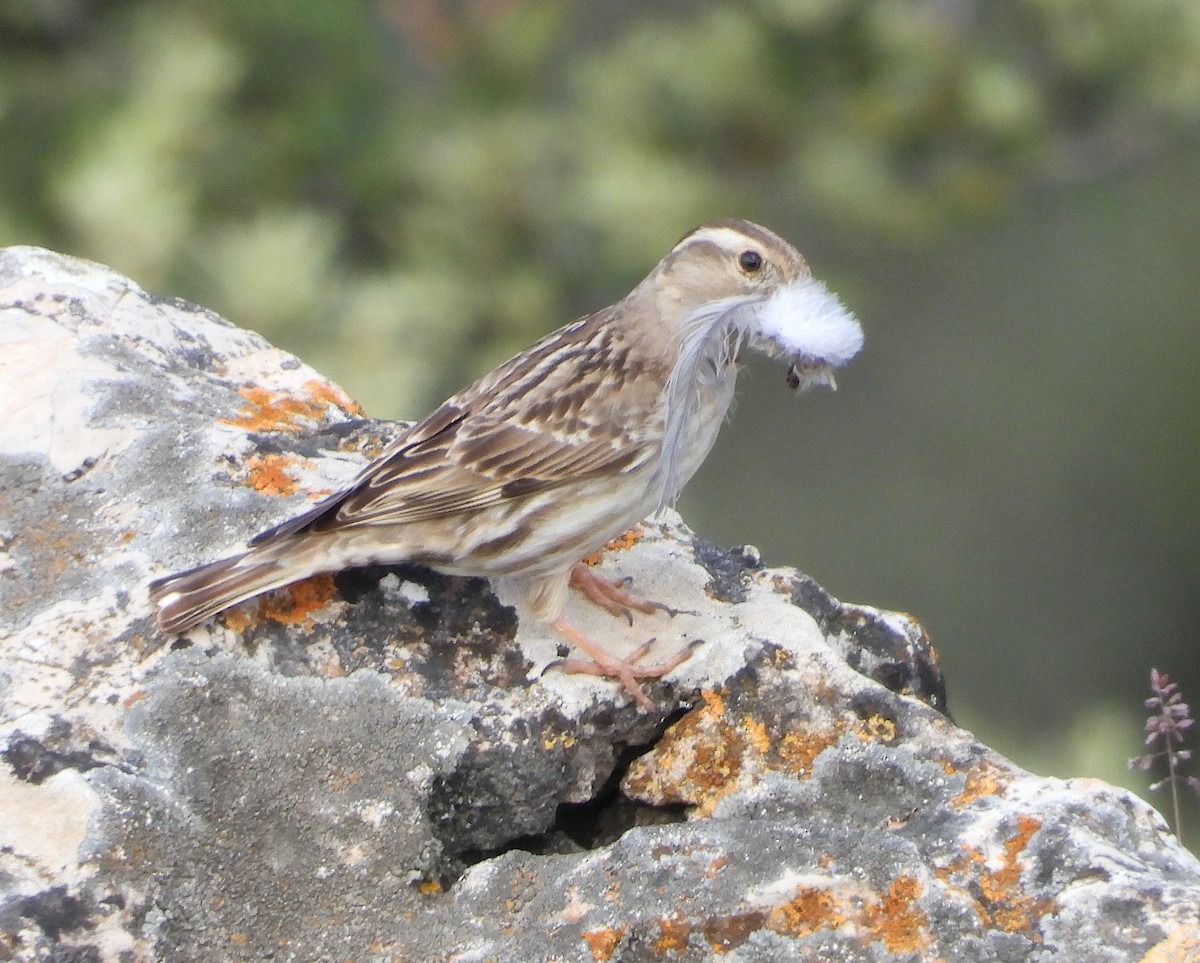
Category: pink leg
[609,666]
[610,595]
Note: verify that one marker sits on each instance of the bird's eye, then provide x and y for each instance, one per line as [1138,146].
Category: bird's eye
[750,261]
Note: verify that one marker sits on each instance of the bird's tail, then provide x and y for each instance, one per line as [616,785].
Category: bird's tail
[188,598]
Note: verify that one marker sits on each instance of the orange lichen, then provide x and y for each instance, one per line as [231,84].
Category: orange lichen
[1001,904]
[986,779]
[603,942]
[723,933]
[697,761]
[267,474]
[271,411]
[237,619]
[1182,946]
[876,729]
[756,735]
[618,544]
[711,751]
[296,603]
[714,765]
[714,702]
[798,749]
[810,910]
[673,934]
[897,920]
[1008,908]
[274,411]
[331,394]
[429,887]
[893,918]
[625,541]
[1008,876]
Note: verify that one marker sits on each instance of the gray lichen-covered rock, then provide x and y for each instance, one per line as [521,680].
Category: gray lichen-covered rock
[384,764]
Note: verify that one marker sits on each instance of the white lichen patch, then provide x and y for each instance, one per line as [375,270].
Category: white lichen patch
[44,825]
[660,567]
[43,393]
[413,593]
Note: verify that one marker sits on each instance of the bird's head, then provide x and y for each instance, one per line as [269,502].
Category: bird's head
[735,277]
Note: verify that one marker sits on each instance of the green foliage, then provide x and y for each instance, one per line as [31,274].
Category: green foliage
[439,182]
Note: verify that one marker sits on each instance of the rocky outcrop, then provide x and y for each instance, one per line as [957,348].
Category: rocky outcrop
[385,764]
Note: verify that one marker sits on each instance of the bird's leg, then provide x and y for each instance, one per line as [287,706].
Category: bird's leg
[609,666]
[610,594]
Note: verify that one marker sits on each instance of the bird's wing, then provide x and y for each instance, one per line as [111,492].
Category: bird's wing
[573,407]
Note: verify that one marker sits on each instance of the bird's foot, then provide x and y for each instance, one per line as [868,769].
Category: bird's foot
[606,665]
[610,594]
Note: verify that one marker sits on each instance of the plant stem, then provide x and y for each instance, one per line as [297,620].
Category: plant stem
[1174,790]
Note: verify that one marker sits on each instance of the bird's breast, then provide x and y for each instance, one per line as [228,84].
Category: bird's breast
[701,414]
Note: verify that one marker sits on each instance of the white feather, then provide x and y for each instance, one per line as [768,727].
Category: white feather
[805,319]
[801,320]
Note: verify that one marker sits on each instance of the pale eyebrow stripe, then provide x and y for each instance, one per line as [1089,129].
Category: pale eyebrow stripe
[725,238]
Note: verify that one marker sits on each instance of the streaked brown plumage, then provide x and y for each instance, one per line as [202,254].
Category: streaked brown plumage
[563,447]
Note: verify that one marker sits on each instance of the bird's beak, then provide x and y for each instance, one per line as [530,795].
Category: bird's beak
[805,373]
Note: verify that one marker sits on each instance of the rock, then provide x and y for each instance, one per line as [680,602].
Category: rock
[385,765]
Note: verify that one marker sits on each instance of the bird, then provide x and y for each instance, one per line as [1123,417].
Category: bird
[567,445]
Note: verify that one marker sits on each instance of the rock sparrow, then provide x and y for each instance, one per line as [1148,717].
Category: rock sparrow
[562,448]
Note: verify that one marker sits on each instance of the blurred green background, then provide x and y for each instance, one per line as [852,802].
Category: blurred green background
[404,192]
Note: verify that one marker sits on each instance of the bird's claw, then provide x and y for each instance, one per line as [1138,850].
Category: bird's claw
[628,671]
[611,594]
